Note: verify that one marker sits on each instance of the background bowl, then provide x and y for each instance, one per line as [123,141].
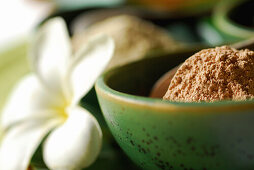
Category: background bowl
[159,134]
[235,18]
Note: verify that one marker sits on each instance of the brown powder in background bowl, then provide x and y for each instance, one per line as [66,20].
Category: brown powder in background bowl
[134,38]
[221,73]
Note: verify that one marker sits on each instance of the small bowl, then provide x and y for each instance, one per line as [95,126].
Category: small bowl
[235,18]
[159,134]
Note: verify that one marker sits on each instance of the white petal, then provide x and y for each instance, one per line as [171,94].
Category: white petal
[89,63]
[50,53]
[29,100]
[74,145]
[20,143]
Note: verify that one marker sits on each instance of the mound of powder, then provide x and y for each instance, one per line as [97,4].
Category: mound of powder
[134,38]
[221,73]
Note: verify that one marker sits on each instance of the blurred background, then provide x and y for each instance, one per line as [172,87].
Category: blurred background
[190,22]
[141,28]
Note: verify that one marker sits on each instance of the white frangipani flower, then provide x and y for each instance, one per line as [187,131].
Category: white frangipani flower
[47,100]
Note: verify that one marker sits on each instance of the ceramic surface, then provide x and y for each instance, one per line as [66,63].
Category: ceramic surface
[159,134]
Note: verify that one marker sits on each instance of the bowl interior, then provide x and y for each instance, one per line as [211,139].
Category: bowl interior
[133,83]
[139,77]
[243,14]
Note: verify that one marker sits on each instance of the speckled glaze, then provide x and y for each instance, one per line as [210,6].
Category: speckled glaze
[159,134]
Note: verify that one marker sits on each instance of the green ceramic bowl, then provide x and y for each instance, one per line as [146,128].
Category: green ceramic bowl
[159,134]
[235,18]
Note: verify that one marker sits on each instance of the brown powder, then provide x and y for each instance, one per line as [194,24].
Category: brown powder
[134,38]
[221,73]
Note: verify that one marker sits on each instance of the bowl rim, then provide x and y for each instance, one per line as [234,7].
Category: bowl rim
[102,89]
[225,24]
